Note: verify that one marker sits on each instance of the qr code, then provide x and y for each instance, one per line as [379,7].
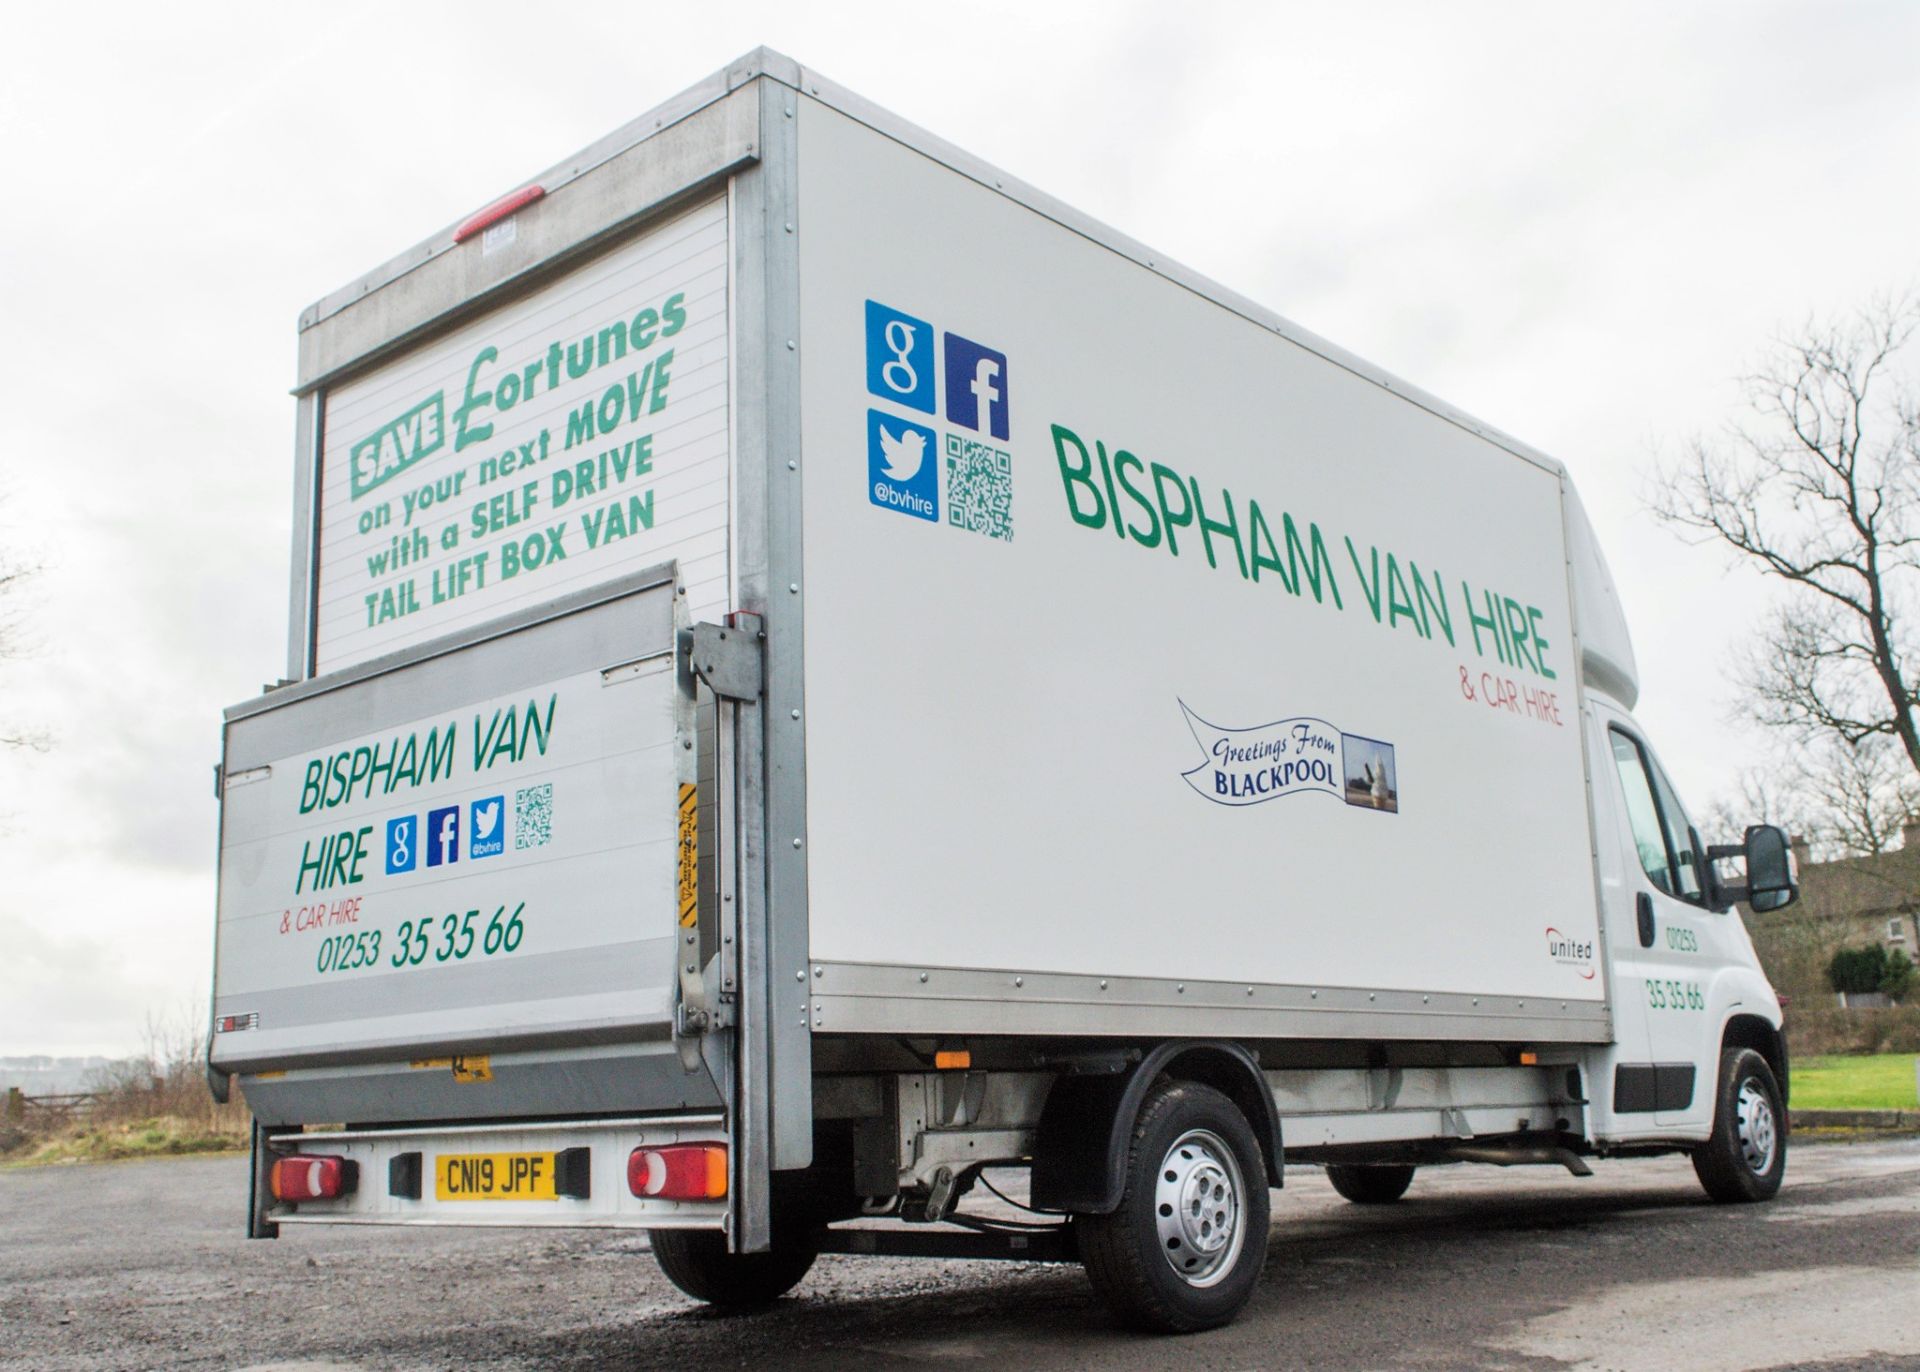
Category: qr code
[533,816]
[979,487]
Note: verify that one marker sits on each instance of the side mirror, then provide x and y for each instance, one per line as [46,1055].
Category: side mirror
[1772,883]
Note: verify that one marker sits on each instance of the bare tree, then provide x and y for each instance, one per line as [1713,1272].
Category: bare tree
[1863,794]
[1844,799]
[1821,489]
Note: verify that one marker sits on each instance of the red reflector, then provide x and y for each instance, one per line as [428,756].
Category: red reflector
[678,1171]
[497,211]
[304,1178]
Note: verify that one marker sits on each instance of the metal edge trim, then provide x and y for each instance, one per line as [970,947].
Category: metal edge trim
[862,997]
[1603,959]
[702,1119]
[648,578]
[780,477]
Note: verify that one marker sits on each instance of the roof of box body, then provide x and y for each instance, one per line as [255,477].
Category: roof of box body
[1607,649]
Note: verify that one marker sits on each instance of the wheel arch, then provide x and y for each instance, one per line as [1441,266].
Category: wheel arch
[1763,1037]
[1080,1154]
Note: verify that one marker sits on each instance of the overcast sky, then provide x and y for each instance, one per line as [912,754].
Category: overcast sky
[1580,230]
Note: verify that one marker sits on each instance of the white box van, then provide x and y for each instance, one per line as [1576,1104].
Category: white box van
[816,670]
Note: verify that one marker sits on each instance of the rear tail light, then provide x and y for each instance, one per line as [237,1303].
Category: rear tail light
[303,1178]
[678,1171]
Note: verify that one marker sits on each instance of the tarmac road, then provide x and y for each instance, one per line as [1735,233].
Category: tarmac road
[141,1265]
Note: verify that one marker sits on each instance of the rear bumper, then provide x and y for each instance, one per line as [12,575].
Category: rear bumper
[393,1164]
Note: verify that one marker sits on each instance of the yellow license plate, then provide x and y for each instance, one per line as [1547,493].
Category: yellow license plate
[494,1176]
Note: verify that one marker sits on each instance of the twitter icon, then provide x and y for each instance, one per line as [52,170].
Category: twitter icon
[903,466]
[488,827]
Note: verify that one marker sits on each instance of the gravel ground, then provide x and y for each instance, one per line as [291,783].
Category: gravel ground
[142,1265]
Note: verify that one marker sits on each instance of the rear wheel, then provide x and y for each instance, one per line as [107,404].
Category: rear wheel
[697,1261]
[1745,1157]
[1370,1185]
[1183,1250]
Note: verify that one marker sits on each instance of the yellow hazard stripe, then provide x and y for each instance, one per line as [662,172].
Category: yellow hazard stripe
[689,855]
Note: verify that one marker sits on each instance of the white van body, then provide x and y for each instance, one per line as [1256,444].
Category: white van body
[803,645]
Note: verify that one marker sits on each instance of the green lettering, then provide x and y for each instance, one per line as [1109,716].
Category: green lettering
[1161,476]
[1517,632]
[1491,623]
[1533,621]
[1318,563]
[1096,518]
[1434,604]
[1400,600]
[1151,538]
[311,863]
[472,401]
[674,313]
[1369,586]
[1208,528]
[1259,534]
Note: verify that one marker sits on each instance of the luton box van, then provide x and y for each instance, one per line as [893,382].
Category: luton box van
[817,670]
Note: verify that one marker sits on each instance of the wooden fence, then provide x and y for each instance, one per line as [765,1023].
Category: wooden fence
[23,1109]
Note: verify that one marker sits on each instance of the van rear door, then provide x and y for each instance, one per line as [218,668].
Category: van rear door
[472,846]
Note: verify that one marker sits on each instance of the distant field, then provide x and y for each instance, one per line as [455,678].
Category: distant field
[1883,1081]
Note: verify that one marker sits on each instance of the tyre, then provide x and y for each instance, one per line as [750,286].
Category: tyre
[1745,1157]
[1369,1185]
[697,1261]
[1183,1250]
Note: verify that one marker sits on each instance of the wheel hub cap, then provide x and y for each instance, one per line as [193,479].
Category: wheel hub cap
[1753,1116]
[1197,1201]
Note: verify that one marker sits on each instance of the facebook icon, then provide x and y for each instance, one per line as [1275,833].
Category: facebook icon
[443,836]
[976,387]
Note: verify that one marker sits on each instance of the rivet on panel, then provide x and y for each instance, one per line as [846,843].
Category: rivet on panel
[793,588]
[796,843]
[800,975]
[819,971]
[1103,983]
[923,978]
[796,714]
[1019,981]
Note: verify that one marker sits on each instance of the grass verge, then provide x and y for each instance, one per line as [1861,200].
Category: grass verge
[1880,1081]
[159,1136]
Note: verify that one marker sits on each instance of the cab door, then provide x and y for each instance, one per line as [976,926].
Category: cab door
[1665,936]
